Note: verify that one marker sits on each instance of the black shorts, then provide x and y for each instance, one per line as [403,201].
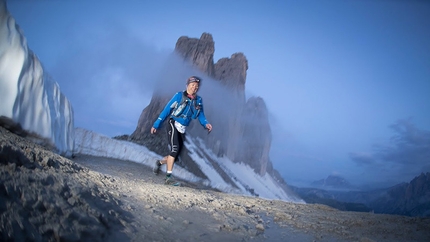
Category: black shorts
[175,139]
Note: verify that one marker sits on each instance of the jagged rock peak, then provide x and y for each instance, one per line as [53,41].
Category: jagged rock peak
[232,71]
[206,37]
[419,186]
[200,52]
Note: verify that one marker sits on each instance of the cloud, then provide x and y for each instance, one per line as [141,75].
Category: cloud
[405,156]
[410,145]
[362,158]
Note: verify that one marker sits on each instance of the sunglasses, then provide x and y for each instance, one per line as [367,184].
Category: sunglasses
[194,80]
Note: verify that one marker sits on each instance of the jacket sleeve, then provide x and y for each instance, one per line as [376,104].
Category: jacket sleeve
[167,110]
[201,117]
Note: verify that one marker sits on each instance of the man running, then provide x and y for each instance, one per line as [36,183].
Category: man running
[181,109]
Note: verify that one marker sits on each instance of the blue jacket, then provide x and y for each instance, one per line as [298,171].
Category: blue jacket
[192,110]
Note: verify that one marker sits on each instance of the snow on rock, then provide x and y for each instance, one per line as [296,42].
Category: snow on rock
[90,143]
[28,96]
[248,182]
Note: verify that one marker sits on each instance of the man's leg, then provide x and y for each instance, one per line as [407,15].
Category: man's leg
[157,166]
[164,160]
[173,135]
[170,160]
[169,179]
[174,143]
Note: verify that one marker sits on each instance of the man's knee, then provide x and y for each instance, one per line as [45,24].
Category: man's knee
[174,154]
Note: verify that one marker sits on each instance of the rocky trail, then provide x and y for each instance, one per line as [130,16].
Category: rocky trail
[46,197]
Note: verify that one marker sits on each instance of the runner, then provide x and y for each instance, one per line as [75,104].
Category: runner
[181,109]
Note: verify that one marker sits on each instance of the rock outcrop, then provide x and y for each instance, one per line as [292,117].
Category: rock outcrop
[200,52]
[411,199]
[257,136]
[232,72]
[241,128]
[142,134]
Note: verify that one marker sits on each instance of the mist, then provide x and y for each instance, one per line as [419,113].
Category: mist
[109,76]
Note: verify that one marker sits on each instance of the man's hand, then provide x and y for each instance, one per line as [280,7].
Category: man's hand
[209,127]
[153,130]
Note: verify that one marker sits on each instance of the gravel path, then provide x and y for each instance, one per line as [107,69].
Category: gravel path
[45,197]
[197,214]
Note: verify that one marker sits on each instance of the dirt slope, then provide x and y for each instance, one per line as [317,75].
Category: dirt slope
[45,197]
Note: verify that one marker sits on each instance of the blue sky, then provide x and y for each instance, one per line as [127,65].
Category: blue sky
[347,83]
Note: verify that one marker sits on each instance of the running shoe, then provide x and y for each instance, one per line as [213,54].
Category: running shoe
[170,181]
[157,167]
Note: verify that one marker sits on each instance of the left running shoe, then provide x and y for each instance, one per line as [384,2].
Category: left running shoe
[157,167]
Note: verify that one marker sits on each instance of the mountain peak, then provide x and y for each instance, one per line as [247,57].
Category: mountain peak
[332,182]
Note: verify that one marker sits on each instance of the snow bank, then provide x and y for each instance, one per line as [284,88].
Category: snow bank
[28,95]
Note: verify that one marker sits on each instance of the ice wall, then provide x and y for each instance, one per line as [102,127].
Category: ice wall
[28,95]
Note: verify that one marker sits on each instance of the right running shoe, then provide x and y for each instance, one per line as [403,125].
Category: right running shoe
[157,167]
[172,182]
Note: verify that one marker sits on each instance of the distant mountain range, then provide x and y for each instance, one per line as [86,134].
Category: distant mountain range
[409,199]
[333,182]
